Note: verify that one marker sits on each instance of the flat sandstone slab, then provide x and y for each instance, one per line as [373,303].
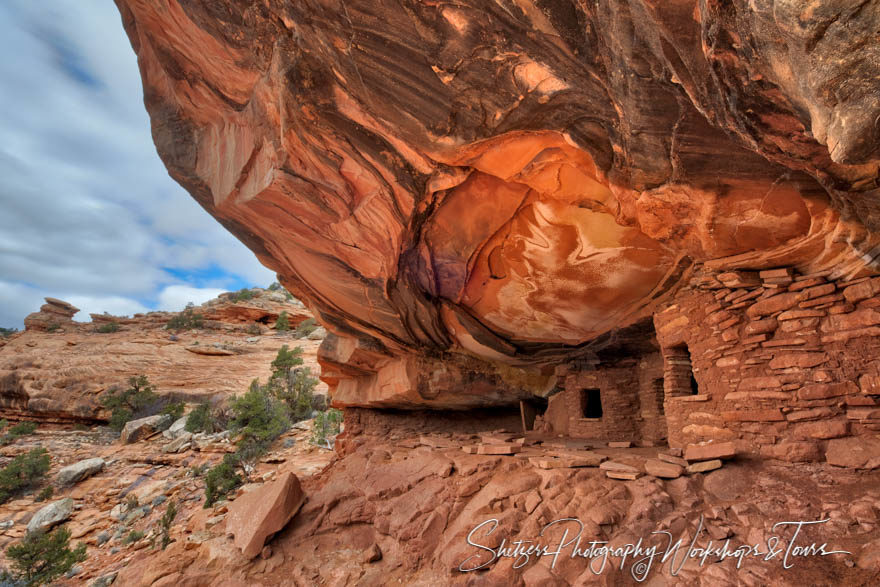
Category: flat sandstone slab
[704,466]
[709,451]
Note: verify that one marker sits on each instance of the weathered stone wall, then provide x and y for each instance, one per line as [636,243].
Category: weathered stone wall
[631,392]
[783,362]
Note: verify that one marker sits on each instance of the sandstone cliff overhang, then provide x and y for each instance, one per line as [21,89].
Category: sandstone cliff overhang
[513,182]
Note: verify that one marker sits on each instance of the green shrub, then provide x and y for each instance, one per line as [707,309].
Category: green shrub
[188,319]
[292,385]
[133,537]
[201,419]
[4,332]
[42,557]
[174,409]
[165,524]
[23,472]
[254,329]
[107,327]
[4,423]
[53,326]
[45,494]
[274,286]
[258,415]
[17,431]
[243,295]
[221,480]
[305,328]
[283,322]
[131,403]
[326,424]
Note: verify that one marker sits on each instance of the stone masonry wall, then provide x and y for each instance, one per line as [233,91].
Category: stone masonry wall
[783,362]
[631,392]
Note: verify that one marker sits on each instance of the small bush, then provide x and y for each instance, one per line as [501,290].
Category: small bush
[165,524]
[131,502]
[221,480]
[198,471]
[258,415]
[133,537]
[107,328]
[45,494]
[131,403]
[254,329]
[305,328]
[174,409]
[292,385]
[326,424]
[4,423]
[188,319]
[53,326]
[23,472]
[243,295]
[201,419]
[283,322]
[42,557]
[17,431]
[4,332]
[274,286]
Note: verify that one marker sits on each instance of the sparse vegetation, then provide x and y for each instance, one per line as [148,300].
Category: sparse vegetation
[243,295]
[258,415]
[282,324]
[23,472]
[107,327]
[131,502]
[291,384]
[133,537]
[126,405]
[45,494]
[188,319]
[4,423]
[325,425]
[220,481]
[53,326]
[17,431]
[305,328]
[201,419]
[274,286]
[165,524]
[174,409]
[42,557]
[254,329]
[4,332]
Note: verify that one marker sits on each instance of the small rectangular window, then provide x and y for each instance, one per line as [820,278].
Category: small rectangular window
[591,403]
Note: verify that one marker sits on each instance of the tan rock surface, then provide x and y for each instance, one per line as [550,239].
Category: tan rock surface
[60,376]
[257,515]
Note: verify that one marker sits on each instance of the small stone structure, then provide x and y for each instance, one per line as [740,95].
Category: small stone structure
[777,362]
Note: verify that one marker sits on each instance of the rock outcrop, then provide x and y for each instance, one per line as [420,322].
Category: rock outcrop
[60,375]
[53,315]
[504,185]
[260,513]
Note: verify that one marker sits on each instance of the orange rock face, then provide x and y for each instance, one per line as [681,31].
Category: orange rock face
[503,188]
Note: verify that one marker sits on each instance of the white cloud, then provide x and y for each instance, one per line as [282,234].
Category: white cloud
[176,297]
[87,207]
[118,306]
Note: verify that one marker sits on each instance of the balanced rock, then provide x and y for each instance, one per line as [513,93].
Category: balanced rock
[51,515]
[78,471]
[258,514]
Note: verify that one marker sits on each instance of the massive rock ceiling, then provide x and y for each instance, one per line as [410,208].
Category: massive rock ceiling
[465,192]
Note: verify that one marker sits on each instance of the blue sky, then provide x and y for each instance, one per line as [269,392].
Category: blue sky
[88,213]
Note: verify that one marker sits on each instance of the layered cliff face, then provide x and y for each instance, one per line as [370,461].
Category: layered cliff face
[468,193]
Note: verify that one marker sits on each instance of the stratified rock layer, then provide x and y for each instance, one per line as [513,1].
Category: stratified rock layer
[512,181]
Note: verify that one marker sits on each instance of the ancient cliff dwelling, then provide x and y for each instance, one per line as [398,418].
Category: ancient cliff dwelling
[613,261]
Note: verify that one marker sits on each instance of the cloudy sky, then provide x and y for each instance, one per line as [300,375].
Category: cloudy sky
[88,213]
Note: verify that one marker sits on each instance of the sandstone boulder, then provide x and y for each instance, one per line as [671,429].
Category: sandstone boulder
[176,429]
[51,515]
[709,451]
[137,429]
[856,452]
[258,514]
[78,471]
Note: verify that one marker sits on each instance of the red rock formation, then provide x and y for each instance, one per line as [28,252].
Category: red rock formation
[60,375]
[504,183]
